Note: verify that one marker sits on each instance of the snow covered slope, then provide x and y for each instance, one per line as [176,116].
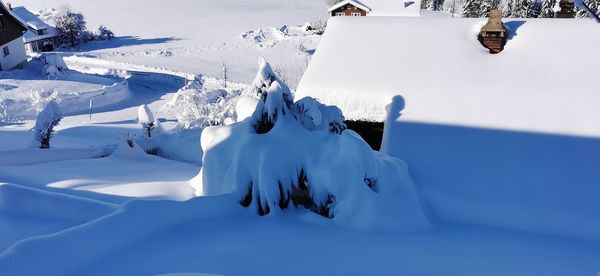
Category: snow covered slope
[543,81]
[195,36]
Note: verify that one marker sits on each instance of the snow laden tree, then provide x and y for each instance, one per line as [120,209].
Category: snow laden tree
[45,123]
[522,9]
[300,155]
[71,26]
[146,119]
[151,128]
[593,5]
[102,33]
[547,9]
[476,8]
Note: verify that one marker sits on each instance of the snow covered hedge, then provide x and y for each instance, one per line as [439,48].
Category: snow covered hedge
[290,154]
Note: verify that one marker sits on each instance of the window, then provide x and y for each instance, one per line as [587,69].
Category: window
[356,14]
[5,50]
[340,14]
[40,32]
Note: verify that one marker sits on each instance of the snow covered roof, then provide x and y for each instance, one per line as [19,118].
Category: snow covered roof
[29,19]
[351,2]
[11,13]
[33,24]
[543,81]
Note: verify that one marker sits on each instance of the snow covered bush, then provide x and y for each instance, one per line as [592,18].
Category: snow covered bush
[151,127]
[46,120]
[102,33]
[146,119]
[195,106]
[291,154]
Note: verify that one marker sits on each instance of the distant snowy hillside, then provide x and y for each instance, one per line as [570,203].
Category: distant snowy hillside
[194,36]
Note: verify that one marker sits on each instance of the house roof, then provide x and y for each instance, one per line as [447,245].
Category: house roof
[28,18]
[543,81]
[351,2]
[3,7]
[34,24]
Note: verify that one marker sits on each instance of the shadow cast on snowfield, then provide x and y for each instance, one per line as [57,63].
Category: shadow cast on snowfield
[544,183]
[512,27]
[123,41]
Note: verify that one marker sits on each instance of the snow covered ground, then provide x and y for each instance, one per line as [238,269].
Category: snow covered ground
[75,209]
[198,36]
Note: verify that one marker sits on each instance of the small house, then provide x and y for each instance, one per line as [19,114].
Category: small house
[12,49]
[376,8]
[40,37]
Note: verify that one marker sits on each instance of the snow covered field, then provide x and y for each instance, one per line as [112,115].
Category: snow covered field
[90,205]
[198,36]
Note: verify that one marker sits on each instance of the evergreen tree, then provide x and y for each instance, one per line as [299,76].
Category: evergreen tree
[506,7]
[534,10]
[71,26]
[427,5]
[521,9]
[594,5]
[547,11]
[472,8]
[486,7]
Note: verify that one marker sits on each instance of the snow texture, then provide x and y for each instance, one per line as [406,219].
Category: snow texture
[269,161]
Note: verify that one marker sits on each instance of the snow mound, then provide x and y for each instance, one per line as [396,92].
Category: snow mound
[128,148]
[281,157]
[54,65]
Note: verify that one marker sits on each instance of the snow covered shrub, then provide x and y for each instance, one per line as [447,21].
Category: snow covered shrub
[291,154]
[151,127]
[195,106]
[102,33]
[198,108]
[46,120]
[146,119]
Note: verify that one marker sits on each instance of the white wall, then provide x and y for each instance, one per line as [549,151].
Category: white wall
[17,54]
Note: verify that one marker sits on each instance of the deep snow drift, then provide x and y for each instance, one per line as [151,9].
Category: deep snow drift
[301,154]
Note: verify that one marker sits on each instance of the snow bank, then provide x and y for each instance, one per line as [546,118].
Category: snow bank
[35,156]
[544,183]
[297,153]
[535,84]
[31,202]
[84,244]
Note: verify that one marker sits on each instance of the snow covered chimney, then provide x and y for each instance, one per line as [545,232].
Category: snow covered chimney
[493,34]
